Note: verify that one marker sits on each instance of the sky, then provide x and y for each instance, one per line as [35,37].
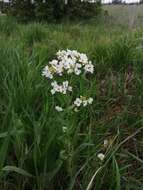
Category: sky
[126,1]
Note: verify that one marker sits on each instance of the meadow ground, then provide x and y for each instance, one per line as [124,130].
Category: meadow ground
[35,152]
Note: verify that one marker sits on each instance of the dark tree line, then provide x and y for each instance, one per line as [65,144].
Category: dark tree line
[53,10]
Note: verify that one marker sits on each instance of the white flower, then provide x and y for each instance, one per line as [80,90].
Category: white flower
[64,129]
[66,87]
[69,61]
[78,102]
[76,110]
[78,65]
[59,69]
[56,87]
[90,100]
[58,108]
[63,88]
[47,73]
[77,71]
[83,58]
[101,156]
[85,103]
[54,62]
[106,143]
[53,91]
[71,70]
[65,84]
[70,88]
[89,68]
[54,83]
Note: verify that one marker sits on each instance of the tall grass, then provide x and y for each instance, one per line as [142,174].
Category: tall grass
[34,33]
[7,25]
[34,152]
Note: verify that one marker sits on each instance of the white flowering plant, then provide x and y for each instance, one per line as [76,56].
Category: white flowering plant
[68,76]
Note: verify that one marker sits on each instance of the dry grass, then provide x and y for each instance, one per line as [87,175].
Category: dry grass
[126,15]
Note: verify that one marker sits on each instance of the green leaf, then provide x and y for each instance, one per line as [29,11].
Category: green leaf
[118,177]
[3,151]
[17,170]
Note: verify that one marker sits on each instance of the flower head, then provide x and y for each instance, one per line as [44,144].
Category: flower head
[47,73]
[106,142]
[78,102]
[68,62]
[58,108]
[61,88]
[101,156]
[90,100]
[89,68]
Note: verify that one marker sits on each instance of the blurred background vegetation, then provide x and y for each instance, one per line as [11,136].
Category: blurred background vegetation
[51,10]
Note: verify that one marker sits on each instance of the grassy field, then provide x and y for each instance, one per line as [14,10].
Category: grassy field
[36,152]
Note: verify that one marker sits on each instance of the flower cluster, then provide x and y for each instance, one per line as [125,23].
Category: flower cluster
[63,88]
[83,101]
[68,62]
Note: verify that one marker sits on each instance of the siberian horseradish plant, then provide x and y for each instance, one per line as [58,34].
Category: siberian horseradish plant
[61,71]
[69,77]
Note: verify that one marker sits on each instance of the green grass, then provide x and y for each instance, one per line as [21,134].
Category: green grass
[35,154]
